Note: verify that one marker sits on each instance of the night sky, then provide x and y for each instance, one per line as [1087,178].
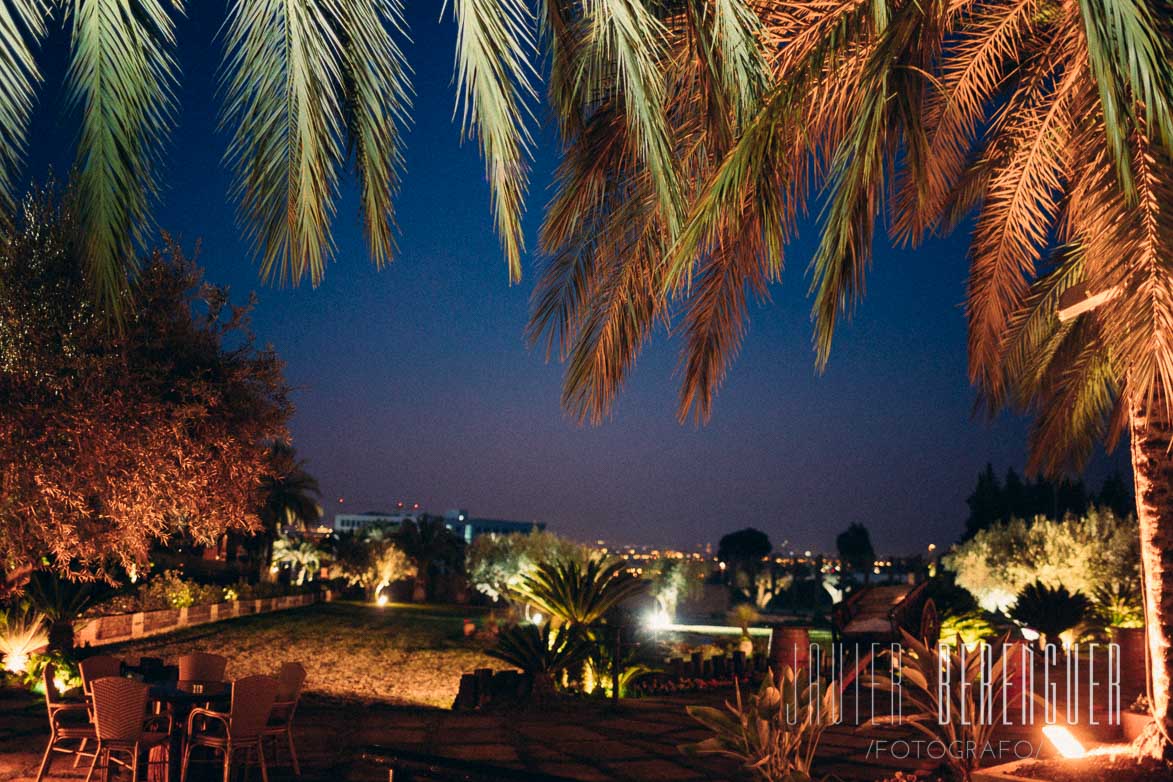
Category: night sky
[414,382]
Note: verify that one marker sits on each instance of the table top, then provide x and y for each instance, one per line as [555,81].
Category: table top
[191,692]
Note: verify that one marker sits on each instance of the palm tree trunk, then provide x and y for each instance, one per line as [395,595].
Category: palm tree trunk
[1152,468]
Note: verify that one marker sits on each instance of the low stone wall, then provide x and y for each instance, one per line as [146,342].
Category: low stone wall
[102,630]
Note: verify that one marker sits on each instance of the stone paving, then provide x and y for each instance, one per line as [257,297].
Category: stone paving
[588,742]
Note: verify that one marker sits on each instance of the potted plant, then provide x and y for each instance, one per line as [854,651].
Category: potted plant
[743,616]
[1135,718]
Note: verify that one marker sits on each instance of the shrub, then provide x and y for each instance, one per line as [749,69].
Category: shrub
[170,589]
[1049,610]
[1080,553]
[495,565]
[776,732]
[969,628]
[945,687]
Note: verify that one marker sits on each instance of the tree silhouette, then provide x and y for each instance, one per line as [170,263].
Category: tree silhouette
[855,550]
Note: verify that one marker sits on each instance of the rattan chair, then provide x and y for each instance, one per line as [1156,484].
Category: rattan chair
[67,722]
[240,728]
[290,678]
[92,668]
[202,667]
[121,724]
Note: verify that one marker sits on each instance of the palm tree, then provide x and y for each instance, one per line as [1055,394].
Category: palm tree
[288,499]
[303,557]
[430,545]
[1049,122]
[315,88]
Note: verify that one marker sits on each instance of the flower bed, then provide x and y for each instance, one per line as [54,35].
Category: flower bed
[115,628]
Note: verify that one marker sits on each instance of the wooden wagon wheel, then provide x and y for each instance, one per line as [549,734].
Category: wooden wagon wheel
[930,623]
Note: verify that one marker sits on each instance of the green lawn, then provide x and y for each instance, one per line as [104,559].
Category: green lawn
[401,653]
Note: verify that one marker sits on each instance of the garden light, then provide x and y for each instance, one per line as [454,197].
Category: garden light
[1067,744]
[381,600]
[659,620]
[16,662]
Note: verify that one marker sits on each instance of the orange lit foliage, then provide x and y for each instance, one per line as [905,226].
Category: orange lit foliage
[113,439]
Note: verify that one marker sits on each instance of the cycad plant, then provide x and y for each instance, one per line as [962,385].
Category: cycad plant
[61,602]
[1118,604]
[577,594]
[541,653]
[1050,611]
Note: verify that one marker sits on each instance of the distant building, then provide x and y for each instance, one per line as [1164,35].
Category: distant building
[458,520]
[468,527]
[353,522]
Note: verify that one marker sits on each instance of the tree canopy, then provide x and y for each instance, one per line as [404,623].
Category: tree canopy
[111,440]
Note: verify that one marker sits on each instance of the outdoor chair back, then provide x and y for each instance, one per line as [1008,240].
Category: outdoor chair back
[120,709]
[97,667]
[52,697]
[68,722]
[290,678]
[252,700]
[202,667]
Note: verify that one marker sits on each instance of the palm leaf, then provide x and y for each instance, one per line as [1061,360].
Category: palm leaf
[283,100]
[494,43]
[378,100]
[1131,60]
[22,26]
[122,77]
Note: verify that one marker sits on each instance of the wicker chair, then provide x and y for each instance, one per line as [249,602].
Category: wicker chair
[67,722]
[98,667]
[92,668]
[202,667]
[240,728]
[290,678]
[121,724]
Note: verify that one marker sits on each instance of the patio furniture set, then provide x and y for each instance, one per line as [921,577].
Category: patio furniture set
[167,713]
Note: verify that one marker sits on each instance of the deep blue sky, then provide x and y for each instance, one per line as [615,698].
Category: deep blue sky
[415,384]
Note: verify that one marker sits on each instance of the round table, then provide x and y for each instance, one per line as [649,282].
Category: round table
[179,698]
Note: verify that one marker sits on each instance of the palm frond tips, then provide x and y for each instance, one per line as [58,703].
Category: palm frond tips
[495,40]
[283,78]
[22,25]
[378,99]
[122,76]
[1131,60]
[623,59]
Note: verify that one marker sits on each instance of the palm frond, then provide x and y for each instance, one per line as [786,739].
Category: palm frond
[378,101]
[122,77]
[495,40]
[283,76]
[22,26]
[1017,218]
[623,58]
[1131,59]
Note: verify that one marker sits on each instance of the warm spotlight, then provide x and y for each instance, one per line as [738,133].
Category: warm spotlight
[1067,744]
